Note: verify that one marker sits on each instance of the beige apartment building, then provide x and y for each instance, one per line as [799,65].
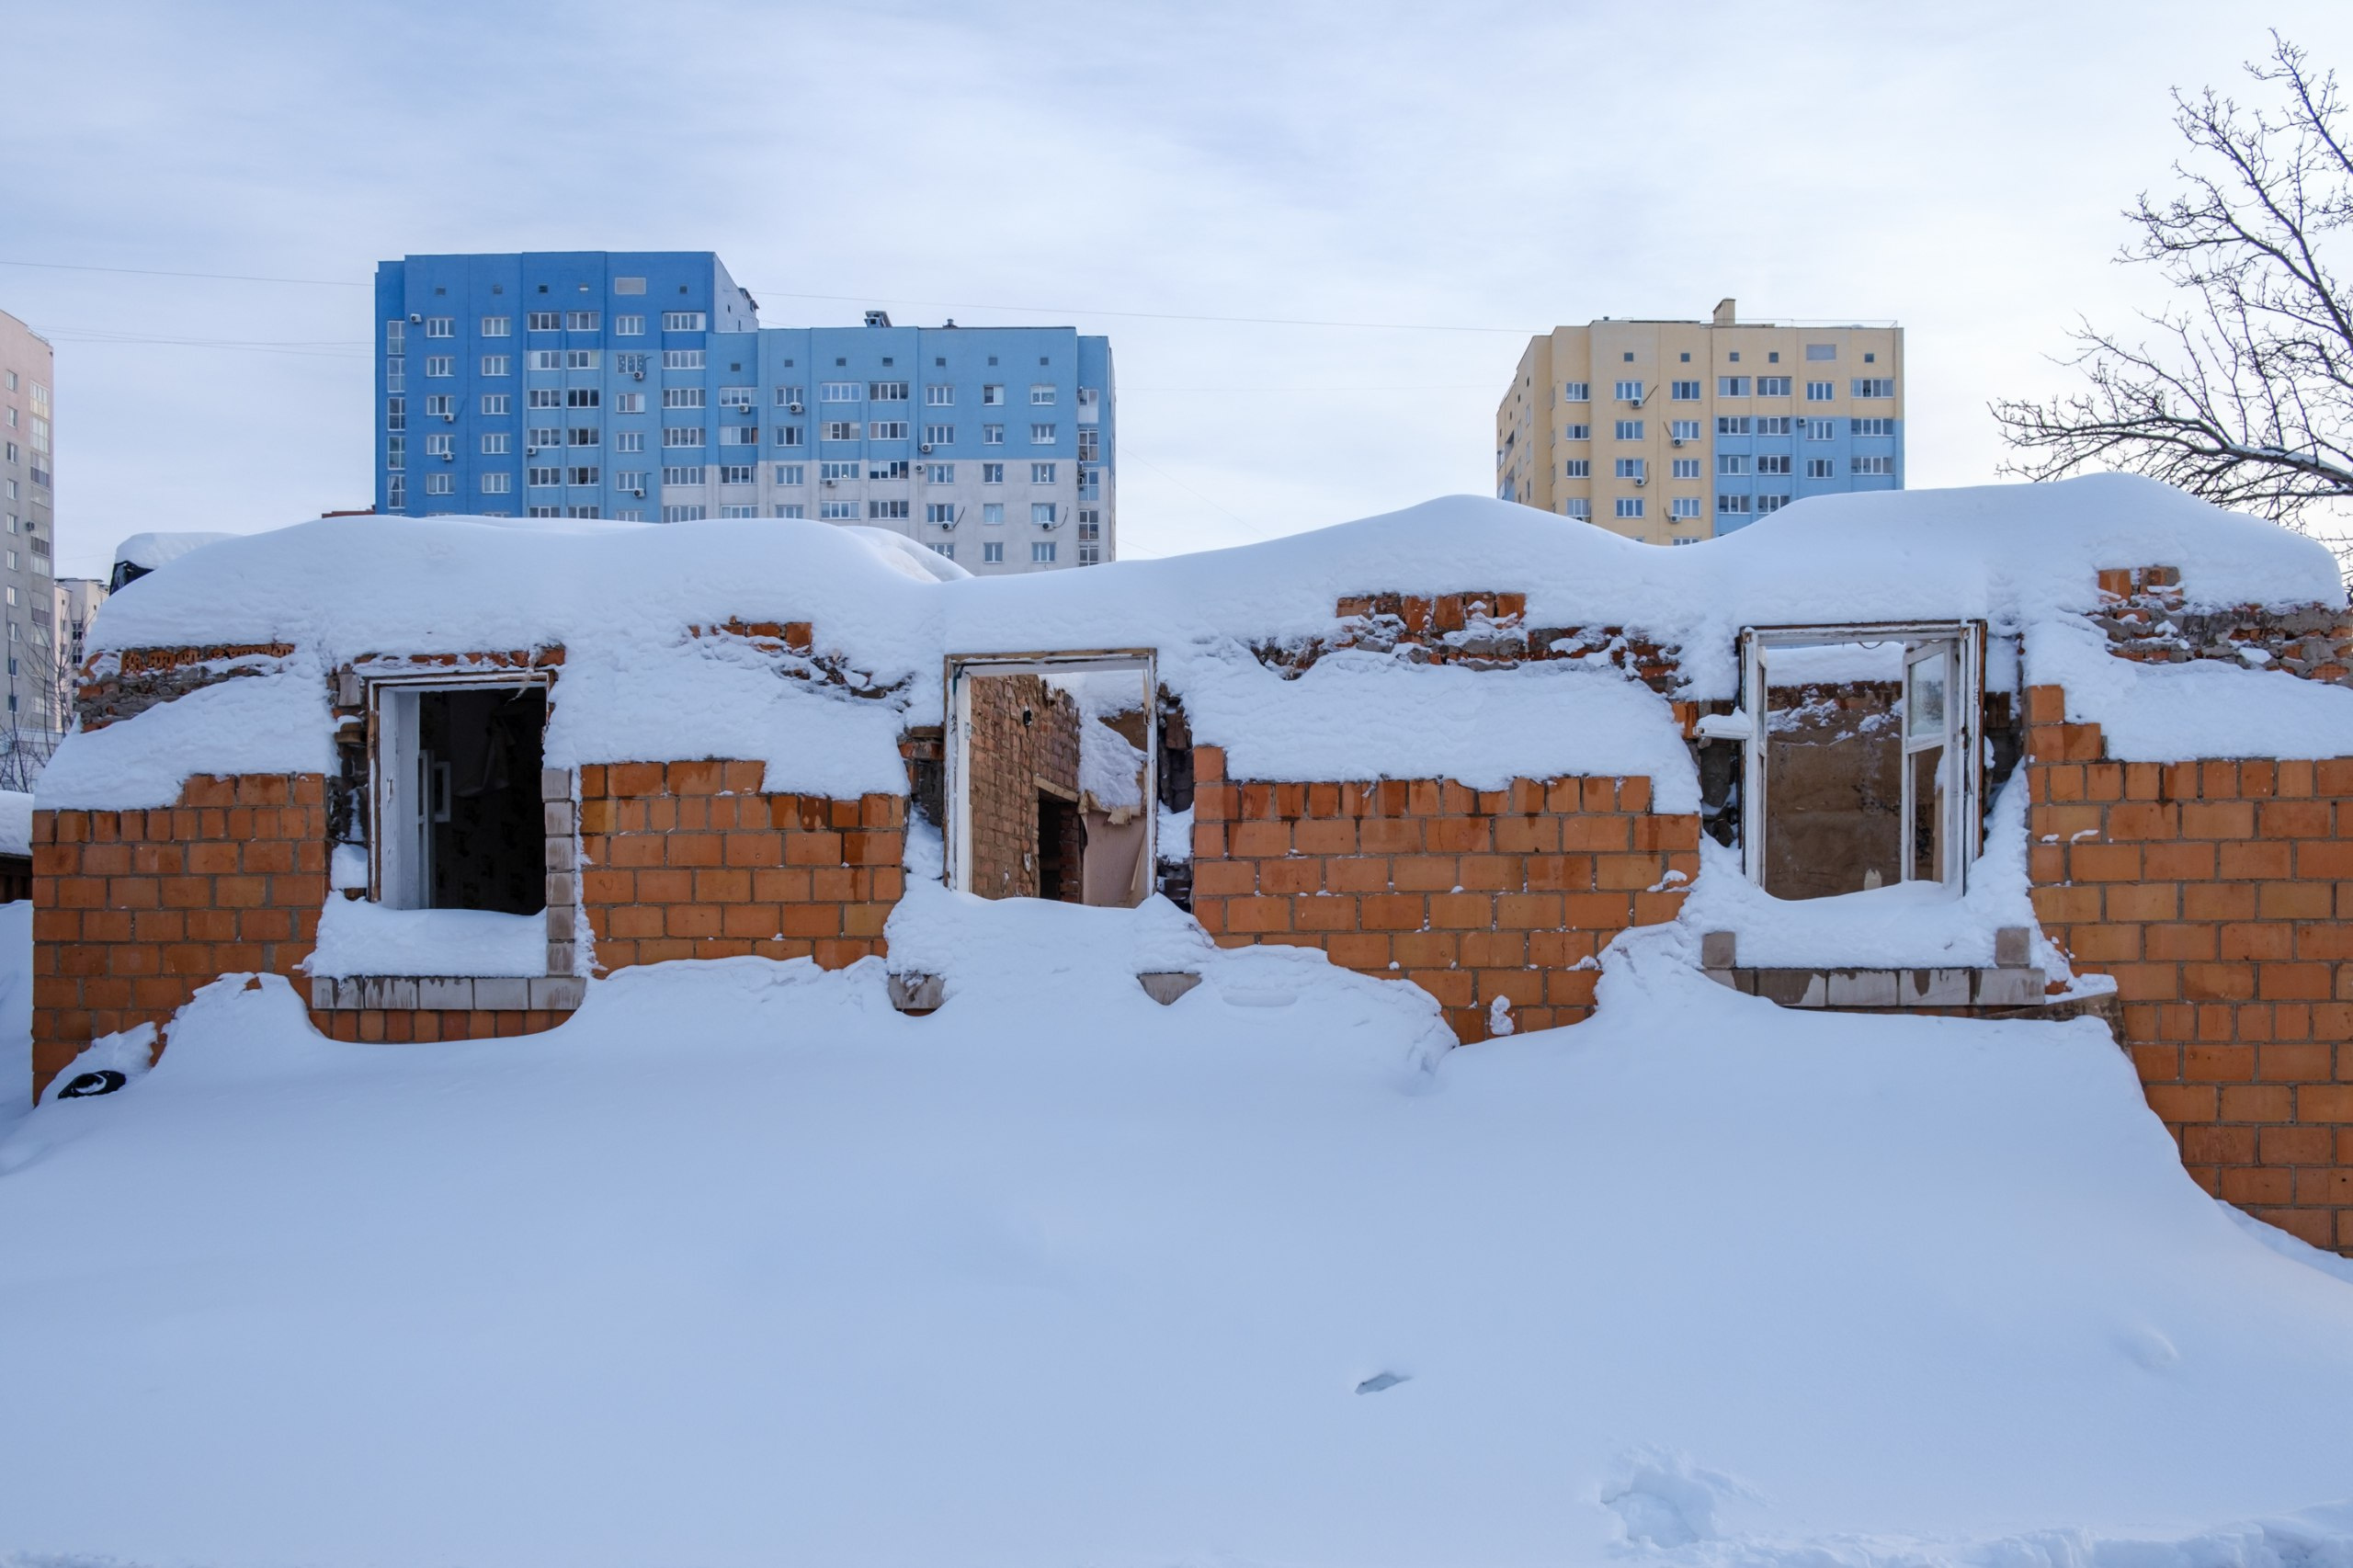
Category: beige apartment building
[1675,431]
[28,510]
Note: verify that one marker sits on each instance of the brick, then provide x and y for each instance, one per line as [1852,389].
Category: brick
[2244,940]
[1393,911]
[2217,981]
[2090,862]
[2294,982]
[1259,840]
[2214,1063]
[1461,911]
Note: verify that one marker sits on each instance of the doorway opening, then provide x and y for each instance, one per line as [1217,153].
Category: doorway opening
[455,796]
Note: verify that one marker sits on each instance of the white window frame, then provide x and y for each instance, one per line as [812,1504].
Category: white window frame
[962,667]
[1962,645]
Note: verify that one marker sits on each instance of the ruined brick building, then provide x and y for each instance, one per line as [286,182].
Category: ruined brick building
[2050,751]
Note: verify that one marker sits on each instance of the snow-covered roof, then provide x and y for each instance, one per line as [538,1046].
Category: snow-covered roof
[150,551]
[620,598]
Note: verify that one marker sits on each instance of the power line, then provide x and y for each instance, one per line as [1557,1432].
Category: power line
[158,272]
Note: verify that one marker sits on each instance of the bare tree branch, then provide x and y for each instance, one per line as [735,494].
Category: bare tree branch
[2243,393]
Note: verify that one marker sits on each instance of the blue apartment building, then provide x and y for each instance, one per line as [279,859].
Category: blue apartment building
[640,386]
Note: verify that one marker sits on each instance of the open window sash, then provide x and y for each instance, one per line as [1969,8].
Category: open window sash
[1944,664]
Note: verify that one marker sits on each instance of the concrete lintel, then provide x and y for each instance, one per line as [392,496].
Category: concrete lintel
[558,992]
[2009,987]
[1862,988]
[501,994]
[1793,987]
[1932,987]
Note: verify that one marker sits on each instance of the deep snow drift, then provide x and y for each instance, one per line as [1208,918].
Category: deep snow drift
[740,1266]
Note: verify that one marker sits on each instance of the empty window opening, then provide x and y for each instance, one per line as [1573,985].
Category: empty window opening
[1053,777]
[1861,766]
[458,814]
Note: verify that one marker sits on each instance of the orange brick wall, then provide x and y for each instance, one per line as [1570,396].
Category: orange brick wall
[690,860]
[1470,894]
[2218,893]
[132,911]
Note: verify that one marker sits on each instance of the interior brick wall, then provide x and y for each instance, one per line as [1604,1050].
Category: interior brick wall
[132,911]
[693,860]
[1005,759]
[2218,893]
[1472,894]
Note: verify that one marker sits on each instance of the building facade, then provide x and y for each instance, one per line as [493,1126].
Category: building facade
[36,687]
[641,386]
[1675,431]
[77,600]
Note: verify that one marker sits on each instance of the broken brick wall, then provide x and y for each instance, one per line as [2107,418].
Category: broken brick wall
[1024,736]
[1472,894]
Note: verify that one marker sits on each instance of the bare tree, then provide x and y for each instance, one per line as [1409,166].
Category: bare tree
[2243,394]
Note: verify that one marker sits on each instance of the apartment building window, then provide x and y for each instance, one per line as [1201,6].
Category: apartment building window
[992,473]
[1684,430]
[440,446]
[1732,386]
[542,321]
[1041,434]
[992,434]
[1578,468]
[498,403]
[1090,484]
[580,476]
[886,511]
[1871,465]
[791,509]
[1577,432]
[788,435]
[838,511]
[1875,386]
[1042,395]
[1629,392]
[1629,429]
[832,472]
[1042,553]
[1041,513]
[939,473]
[1821,468]
[542,477]
[544,397]
[581,358]
[1090,524]
[684,514]
[886,430]
[629,440]
[395,456]
[439,485]
[580,321]
[1687,468]
[440,326]
[840,392]
[939,395]
[687,475]
[543,435]
[1731,506]
[791,473]
[1684,507]
[789,397]
[395,338]
[1733,424]
[1880,427]
[1772,462]
[682,436]
[1772,386]
[440,364]
[739,510]
[395,418]
[682,360]
[839,430]
[992,397]
[497,326]
[737,474]
[1732,462]
[946,548]
[992,513]
[1770,503]
[1577,506]
[497,365]
[1630,506]
[887,391]
[497,483]
[628,403]
[498,443]
[630,479]
[582,397]
[1821,391]
[395,374]
[1089,398]
[1632,468]
[740,436]
[1576,391]
[629,326]
[942,513]
[1090,444]
[547,359]
[1821,429]
[992,553]
[395,491]
[736,397]
[630,364]
[940,435]
[1042,474]
[682,321]
[1684,391]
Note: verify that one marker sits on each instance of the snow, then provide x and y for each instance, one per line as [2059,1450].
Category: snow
[1835,663]
[742,1266]
[258,723]
[15,1010]
[15,822]
[151,551]
[1110,767]
[619,597]
[360,936]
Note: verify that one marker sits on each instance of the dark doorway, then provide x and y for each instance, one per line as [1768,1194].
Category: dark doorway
[1059,849]
[480,756]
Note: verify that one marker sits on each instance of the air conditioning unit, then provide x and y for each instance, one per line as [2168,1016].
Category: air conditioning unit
[1678,440]
[792,408]
[449,418]
[831,482]
[448,457]
[925,448]
[1641,480]
[417,320]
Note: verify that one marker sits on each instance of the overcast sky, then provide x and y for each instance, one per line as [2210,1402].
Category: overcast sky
[1130,169]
